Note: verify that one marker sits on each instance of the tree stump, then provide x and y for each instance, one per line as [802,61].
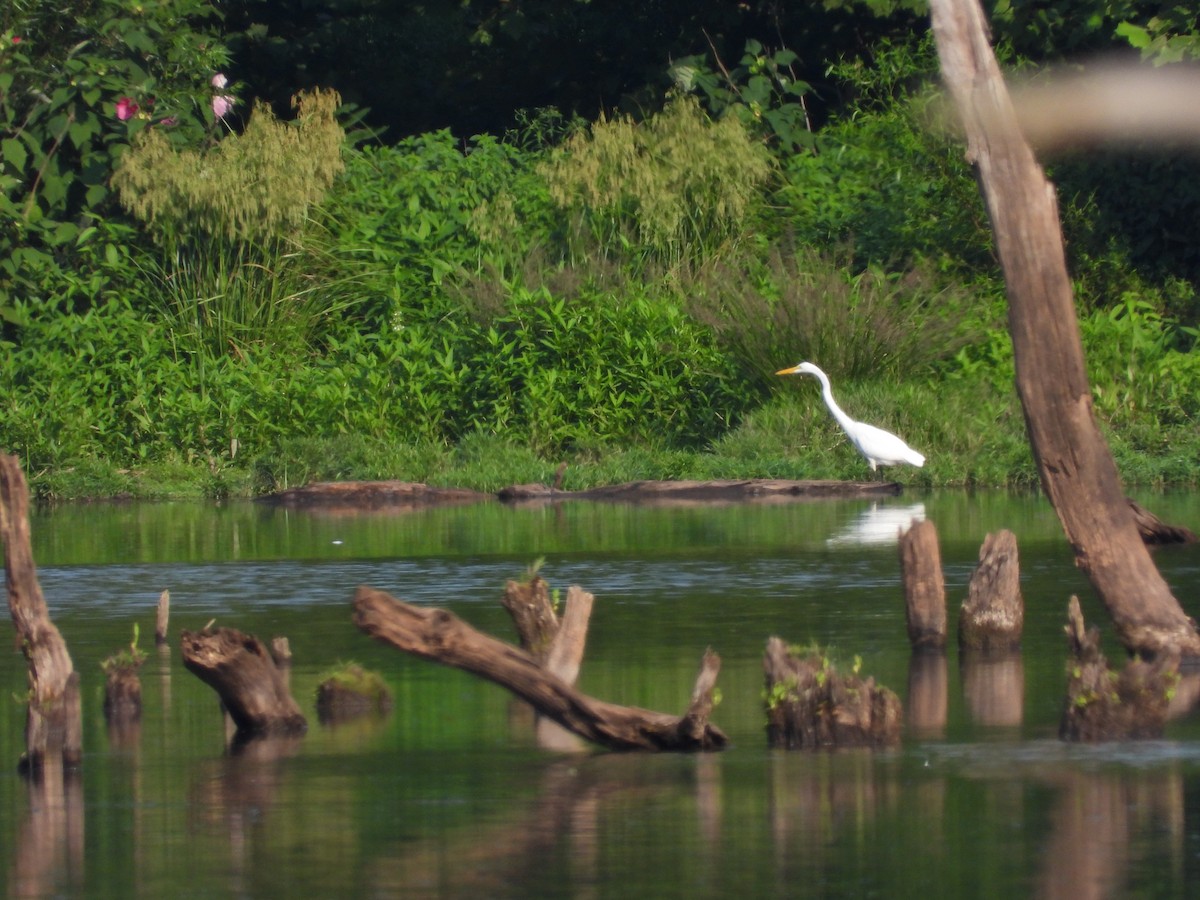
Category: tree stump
[162,618]
[442,637]
[924,586]
[993,615]
[54,721]
[351,692]
[810,706]
[253,690]
[1102,705]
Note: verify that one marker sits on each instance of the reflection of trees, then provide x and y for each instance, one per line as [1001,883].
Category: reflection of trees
[994,687]
[232,795]
[1091,846]
[562,827]
[49,846]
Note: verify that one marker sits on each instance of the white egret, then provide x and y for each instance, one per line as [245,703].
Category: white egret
[881,448]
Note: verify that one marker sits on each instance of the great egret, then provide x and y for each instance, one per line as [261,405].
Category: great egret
[881,448]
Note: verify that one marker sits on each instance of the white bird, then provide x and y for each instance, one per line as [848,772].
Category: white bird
[881,448]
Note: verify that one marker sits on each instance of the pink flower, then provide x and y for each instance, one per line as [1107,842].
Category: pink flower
[16,39]
[222,104]
[126,109]
[219,80]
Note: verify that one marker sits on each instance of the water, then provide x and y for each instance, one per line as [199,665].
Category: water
[450,795]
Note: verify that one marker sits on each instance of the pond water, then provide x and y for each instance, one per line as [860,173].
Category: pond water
[449,795]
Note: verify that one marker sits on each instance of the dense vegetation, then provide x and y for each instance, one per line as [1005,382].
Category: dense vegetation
[204,293]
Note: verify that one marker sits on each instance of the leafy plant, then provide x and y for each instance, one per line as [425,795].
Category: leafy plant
[77,80]
[762,91]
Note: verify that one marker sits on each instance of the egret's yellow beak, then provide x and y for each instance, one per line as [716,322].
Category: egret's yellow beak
[791,370]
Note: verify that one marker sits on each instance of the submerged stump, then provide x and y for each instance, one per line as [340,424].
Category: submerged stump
[240,668]
[811,706]
[993,615]
[351,692]
[442,637]
[1104,705]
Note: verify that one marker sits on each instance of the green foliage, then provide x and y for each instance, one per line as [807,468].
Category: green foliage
[63,70]
[762,91]
[812,305]
[674,188]
[254,186]
[127,658]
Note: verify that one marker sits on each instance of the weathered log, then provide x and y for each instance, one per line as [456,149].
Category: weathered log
[924,586]
[162,618]
[810,706]
[442,637]
[688,493]
[993,615]
[54,723]
[1103,705]
[1155,531]
[251,687]
[1077,470]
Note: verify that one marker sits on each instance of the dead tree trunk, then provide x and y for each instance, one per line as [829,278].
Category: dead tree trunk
[993,615]
[810,706]
[442,637]
[54,723]
[1077,470]
[924,586]
[252,688]
[162,617]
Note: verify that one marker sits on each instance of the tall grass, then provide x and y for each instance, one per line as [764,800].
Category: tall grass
[809,304]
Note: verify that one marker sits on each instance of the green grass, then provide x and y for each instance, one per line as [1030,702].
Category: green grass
[972,433]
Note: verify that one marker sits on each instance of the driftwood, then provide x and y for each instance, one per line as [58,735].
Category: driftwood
[253,690]
[993,615]
[759,490]
[811,706]
[371,494]
[1102,705]
[53,723]
[1155,531]
[442,637]
[924,586]
[1077,470]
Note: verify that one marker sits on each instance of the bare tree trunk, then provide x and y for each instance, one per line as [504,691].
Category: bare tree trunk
[1076,467]
[993,615]
[54,723]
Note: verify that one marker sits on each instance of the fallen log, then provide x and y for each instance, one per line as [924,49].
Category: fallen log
[253,690]
[1155,531]
[54,720]
[442,637]
[993,615]
[924,586]
[1103,705]
[811,706]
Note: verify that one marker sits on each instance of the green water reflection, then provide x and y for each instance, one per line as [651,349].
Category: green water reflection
[450,795]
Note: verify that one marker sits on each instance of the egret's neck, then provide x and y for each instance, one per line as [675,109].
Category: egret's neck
[827,392]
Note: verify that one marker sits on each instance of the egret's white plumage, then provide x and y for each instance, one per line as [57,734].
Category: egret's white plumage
[881,448]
